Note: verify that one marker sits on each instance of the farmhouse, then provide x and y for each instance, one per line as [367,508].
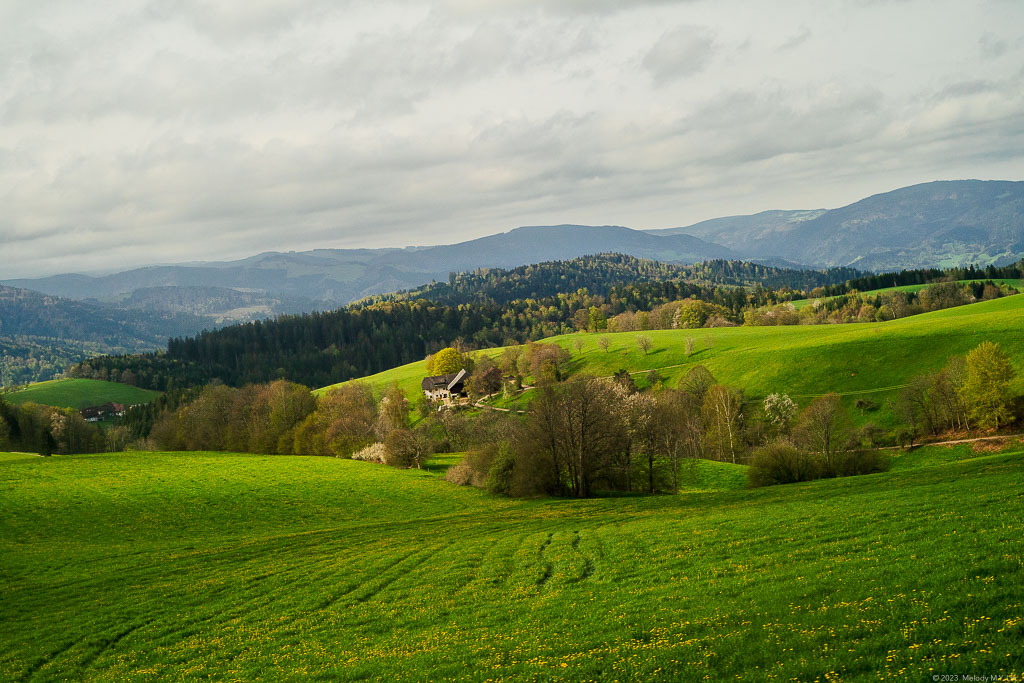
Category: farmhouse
[445,387]
[99,413]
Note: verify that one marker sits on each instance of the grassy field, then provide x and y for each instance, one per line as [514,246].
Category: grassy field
[1013,284]
[858,360]
[80,393]
[236,567]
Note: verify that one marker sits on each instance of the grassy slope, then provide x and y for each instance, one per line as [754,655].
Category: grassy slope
[80,393]
[1011,283]
[286,568]
[860,359]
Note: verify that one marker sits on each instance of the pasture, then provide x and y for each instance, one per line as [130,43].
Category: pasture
[1011,283]
[79,393]
[234,567]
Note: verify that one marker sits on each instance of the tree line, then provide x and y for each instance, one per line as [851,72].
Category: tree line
[920,276]
[46,430]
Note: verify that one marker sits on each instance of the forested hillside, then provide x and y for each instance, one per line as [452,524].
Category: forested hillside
[25,312]
[26,359]
[324,348]
[481,309]
[41,336]
[606,273]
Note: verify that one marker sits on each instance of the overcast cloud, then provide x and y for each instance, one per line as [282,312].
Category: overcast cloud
[133,134]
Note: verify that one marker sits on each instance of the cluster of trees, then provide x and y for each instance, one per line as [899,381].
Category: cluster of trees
[589,434]
[284,418]
[856,307]
[46,430]
[673,315]
[261,418]
[972,391]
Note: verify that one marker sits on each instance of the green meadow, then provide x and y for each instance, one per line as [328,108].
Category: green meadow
[1013,284]
[79,393]
[207,566]
[857,360]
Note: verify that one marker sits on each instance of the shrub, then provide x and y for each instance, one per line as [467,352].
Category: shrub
[408,448]
[499,474]
[782,463]
[853,463]
[460,475]
[869,435]
[375,452]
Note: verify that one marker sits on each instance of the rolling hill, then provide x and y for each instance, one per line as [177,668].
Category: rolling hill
[79,393]
[30,313]
[866,360]
[219,566]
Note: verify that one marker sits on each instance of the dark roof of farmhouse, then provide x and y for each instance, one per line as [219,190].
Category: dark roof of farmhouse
[443,381]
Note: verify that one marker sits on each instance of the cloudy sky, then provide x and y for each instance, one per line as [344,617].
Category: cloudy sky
[135,133]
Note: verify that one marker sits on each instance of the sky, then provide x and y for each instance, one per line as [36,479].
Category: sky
[137,133]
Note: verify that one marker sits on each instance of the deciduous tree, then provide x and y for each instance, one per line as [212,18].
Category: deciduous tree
[447,361]
[780,410]
[722,414]
[645,343]
[986,387]
[824,427]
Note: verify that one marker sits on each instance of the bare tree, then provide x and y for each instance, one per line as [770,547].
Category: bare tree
[644,342]
[637,410]
[691,343]
[697,382]
[675,429]
[916,407]
[604,343]
[578,345]
[722,412]
[949,393]
[824,427]
[578,429]
[408,447]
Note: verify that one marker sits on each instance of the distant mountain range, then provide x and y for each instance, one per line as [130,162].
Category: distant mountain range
[940,224]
